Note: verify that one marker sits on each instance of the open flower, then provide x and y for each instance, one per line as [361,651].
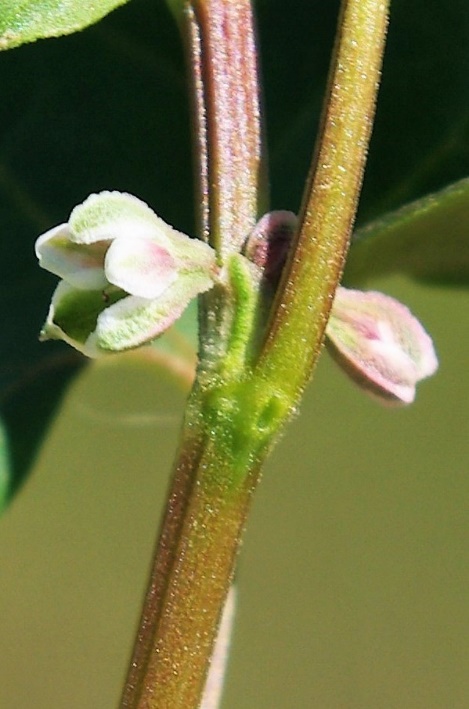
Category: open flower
[127,275]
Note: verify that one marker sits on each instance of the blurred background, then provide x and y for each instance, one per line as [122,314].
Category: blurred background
[354,573]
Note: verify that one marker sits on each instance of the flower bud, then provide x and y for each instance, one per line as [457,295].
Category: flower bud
[268,243]
[380,344]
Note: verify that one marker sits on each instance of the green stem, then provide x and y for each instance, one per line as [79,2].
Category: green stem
[208,502]
[304,299]
[192,572]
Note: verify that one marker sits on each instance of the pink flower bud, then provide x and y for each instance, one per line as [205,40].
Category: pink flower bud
[380,344]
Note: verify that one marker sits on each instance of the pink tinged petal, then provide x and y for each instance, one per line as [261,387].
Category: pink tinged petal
[140,267]
[110,215]
[380,344]
[134,321]
[191,254]
[80,265]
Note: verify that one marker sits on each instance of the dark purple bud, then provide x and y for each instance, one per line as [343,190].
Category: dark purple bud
[268,243]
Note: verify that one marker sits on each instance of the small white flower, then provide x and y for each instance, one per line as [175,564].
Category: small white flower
[126,274]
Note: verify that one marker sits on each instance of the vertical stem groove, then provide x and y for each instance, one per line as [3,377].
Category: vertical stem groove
[222,44]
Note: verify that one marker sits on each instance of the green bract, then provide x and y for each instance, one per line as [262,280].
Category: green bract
[127,275]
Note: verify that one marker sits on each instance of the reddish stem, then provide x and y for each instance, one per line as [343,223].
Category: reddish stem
[230,163]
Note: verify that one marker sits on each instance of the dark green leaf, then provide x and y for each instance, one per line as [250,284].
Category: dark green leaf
[27,20]
[428,240]
[420,140]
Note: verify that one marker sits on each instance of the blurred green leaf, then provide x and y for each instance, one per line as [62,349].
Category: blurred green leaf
[27,410]
[427,239]
[28,20]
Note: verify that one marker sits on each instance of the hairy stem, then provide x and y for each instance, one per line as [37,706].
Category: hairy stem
[230,158]
[305,296]
[193,568]
[200,535]
[230,165]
